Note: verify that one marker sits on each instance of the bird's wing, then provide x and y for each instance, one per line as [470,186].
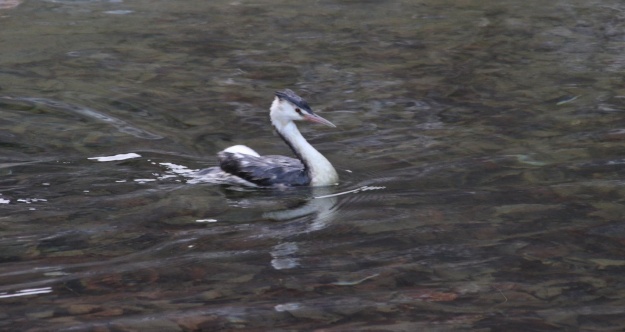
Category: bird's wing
[264,170]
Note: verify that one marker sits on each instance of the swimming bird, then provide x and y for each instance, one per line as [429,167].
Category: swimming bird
[241,165]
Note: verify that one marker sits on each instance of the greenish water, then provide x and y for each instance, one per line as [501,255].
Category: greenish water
[480,149]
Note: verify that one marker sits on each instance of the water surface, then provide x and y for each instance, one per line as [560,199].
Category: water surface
[480,149]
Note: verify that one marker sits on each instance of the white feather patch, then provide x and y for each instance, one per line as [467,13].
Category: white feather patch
[242,149]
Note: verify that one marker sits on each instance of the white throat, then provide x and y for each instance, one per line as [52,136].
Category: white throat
[320,170]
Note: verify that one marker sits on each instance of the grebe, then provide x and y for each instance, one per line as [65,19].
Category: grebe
[241,165]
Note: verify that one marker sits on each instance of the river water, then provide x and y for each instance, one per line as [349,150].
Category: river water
[479,145]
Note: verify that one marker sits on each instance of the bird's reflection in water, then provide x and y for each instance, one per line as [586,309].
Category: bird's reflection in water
[318,212]
[302,210]
[284,256]
[319,207]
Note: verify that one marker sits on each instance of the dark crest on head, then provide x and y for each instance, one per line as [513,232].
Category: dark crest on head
[294,99]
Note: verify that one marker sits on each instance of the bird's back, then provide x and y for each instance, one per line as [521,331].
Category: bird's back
[265,170]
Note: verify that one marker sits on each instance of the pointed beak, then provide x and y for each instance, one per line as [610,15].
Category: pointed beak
[317,119]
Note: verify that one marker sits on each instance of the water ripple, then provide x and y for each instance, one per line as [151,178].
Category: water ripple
[121,125]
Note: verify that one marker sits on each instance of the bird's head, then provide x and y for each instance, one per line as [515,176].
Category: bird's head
[288,107]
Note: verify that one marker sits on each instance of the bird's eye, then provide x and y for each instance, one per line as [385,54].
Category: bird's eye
[299,111]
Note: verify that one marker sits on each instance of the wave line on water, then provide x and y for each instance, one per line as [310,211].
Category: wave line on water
[357,190]
[121,125]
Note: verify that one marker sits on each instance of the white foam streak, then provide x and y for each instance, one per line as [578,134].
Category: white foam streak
[24,292]
[116,157]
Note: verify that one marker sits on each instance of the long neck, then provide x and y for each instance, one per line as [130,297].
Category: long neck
[318,167]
